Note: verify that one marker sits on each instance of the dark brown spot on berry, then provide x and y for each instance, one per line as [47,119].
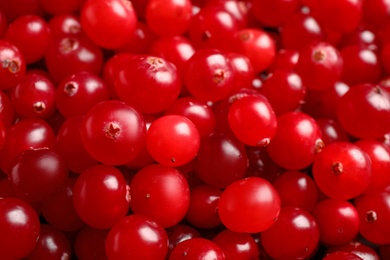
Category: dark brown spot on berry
[70,88]
[113,130]
[371,216]
[337,168]
[69,44]
[319,146]
[219,76]
[319,56]
[39,107]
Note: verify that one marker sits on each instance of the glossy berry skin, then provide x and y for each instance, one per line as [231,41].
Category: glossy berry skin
[168,18]
[274,13]
[36,174]
[21,137]
[197,248]
[288,149]
[283,81]
[238,246]
[244,73]
[59,7]
[100,196]
[180,233]
[141,40]
[337,220]
[209,76]
[374,214]
[70,147]
[203,208]
[13,65]
[58,209]
[90,243]
[31,34]
[360,65]
[150,84]
[304,25]
[342,170]
[221,160]
[108,23]
[173,140]
[20,228]
[331,131]
[258,46]
[379,155]
[215,28]
[197,111]
[250,205]
[364,251]
[34,96]
[294,235]
[7,114]
[345,14]
[161,193]
[136,236]
[319,65]
[64,24]
[66,55]
[297,189]
[78,93]
[252,120]
[364,111]
[339,255]
[52,244]
[113,132]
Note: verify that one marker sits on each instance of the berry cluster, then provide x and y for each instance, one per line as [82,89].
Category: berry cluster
[195,129]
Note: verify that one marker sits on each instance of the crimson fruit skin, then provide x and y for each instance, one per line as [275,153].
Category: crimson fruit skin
[274,13]
[357,248]
[148,83]
[337,220]
[79,92]
[339,255]
[34,96]
[168,18]
[173,140]
[374,213]
[113,132]
[231,244]
[90,243]
[36,174]
[197,248]
[250,205]
[252,120]
[319,65]
[197,111]
[161,193]
[19,226]
[221,160]
[203,207]
[369,120]
[100,196]
[31,34]
[297,189]
[66,55]
[209,76]
[284,81]
[52,244]
[59,7]
[297,233]
[109,23]
[136,236]
[342,170]
[13,65]
[297,140]
[258,46]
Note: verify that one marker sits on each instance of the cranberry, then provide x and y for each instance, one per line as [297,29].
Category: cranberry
[13,65]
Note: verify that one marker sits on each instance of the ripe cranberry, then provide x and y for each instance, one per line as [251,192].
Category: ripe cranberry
[250,205]
[98,17]
[13,65]
[287,149]
[331,131]
[65,24]
[31,34]
[274,13]
[54,7]
[136,236]
[17,8]
[361,250]
[90,243]
[20,228]
[294,227]
[140,42]
[161,193]
[6,111]
[197,248]
[339,255]
[180,233]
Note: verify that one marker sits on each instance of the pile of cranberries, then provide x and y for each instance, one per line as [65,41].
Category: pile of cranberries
[195,129]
